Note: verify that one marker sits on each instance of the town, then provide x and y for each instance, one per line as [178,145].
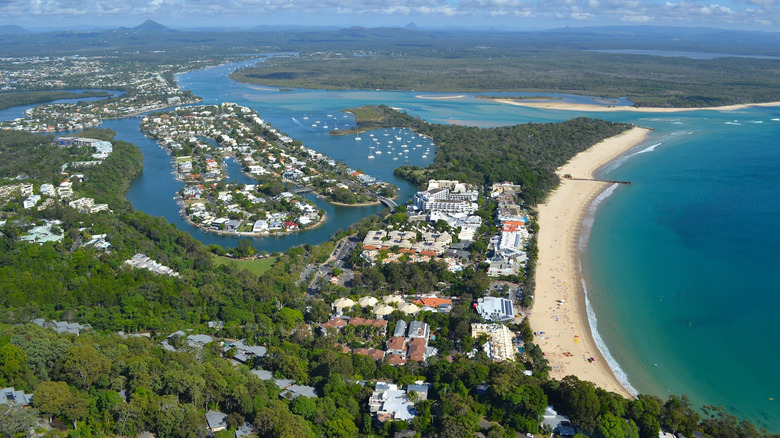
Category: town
[205,140]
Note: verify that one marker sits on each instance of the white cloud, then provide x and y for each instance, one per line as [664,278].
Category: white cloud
[506,12]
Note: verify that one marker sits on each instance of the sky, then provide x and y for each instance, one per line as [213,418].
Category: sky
[511,14]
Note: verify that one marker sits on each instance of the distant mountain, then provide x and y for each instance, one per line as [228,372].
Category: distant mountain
[12,29]
[151,26]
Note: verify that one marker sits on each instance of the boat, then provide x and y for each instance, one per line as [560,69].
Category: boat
[324,126]
[395,158]
[357,138]
[424,155]
[379,152]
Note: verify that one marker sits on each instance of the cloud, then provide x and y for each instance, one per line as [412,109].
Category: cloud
[438,12]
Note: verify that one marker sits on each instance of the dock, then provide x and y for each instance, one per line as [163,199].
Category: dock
[610,181]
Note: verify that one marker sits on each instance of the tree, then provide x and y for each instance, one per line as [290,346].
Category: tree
[611,426]
[677,415]
[579,401]
[304,406]
[341,425]
[56,399]
[84,365]
[15,419]
[13,365]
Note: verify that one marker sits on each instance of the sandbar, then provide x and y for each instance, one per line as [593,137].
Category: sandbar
[452,96]
[602,108]
[559,302]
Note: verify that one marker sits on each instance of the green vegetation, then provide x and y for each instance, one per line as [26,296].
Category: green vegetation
[526,154]
[257,267]
[645,80]
[8,100]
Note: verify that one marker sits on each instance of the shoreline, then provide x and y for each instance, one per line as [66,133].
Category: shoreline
[601,108]
[560,310]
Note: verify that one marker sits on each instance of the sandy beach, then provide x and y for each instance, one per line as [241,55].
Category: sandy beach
[602,108]
[559,302]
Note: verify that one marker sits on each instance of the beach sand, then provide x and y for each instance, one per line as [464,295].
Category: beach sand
[602,108]
[559,301]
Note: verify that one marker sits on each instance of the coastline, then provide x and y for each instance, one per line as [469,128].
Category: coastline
[559,309]
[601,108]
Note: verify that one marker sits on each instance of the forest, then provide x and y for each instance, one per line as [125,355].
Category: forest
[103,383]
[8,100]
[647,81]
[526,154]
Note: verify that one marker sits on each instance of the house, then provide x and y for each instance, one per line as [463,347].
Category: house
[295,391]
[559,424]
[11,396]
[370,352]
[400,328]
[334,324]
[387,402]
[290,225]
[499,346]
[216,421]
[380,324]
[420,389]
[495,309]
[417,349]
[396,345]
[232,225]
[260,226]
[419,329]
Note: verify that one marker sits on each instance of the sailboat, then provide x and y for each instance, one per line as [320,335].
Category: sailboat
[371,154]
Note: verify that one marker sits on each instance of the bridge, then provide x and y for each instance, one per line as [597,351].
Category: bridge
[388,202]
[303,190]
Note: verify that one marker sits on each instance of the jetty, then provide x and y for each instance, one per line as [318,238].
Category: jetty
[610,181]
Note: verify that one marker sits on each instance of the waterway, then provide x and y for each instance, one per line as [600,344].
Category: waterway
[681,266]
[16,112]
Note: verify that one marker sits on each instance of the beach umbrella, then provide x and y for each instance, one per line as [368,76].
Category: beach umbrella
[367,301]
[383,310]
[343,303]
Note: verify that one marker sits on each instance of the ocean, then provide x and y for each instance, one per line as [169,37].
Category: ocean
[682,267]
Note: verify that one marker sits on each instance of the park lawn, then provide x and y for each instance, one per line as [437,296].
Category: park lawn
[257,267]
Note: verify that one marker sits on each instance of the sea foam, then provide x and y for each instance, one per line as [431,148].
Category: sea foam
[587,227]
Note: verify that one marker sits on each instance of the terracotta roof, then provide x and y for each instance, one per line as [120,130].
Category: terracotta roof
[396,343]
[394,359]
[432,302]
[356,320]
[336,323]
[370,352]
[417,349]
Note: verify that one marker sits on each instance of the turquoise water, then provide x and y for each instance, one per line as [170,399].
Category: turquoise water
[682,267]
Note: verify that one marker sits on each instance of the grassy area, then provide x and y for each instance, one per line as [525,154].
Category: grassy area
[257,267]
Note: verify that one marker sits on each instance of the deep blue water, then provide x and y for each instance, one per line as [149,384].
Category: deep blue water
[684,262]
[682,267]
